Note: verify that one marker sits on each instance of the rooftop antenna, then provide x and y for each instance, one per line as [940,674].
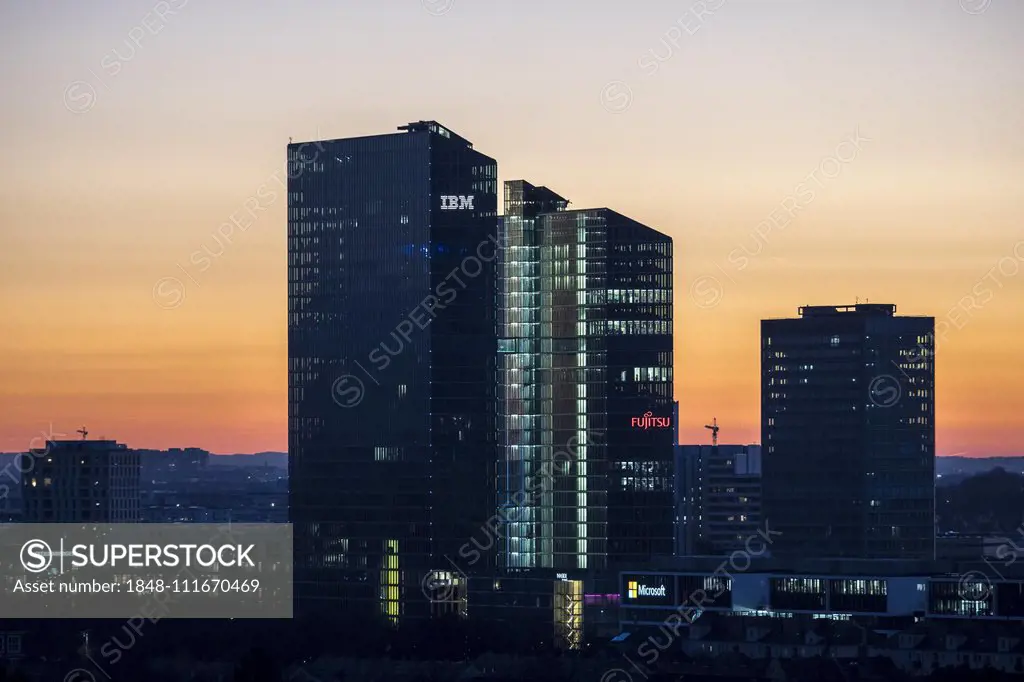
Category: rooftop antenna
[84,433]
[714,431]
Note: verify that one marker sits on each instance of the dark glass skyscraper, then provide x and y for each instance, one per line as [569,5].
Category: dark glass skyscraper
[392,245]
[585,474]
[848,432]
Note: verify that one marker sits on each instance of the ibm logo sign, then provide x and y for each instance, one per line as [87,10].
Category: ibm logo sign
[456,203]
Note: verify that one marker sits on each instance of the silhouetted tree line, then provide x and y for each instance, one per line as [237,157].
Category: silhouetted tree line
[988,503]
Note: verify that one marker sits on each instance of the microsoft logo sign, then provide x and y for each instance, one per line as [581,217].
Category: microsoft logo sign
[635,589]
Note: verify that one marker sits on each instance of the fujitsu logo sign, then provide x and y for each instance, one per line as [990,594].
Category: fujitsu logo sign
[456,202]
[649,421]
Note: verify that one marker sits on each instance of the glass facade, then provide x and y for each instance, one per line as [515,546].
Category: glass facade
[706,590]
[797,594]
[391,346]
[853,595]
[963,598]
[848,432]
[524,432]
[585,471]
[568,614]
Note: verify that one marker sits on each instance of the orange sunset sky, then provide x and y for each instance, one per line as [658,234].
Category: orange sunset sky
[130,134]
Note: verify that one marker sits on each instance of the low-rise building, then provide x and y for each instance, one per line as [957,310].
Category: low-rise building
[920,615]
[718,492]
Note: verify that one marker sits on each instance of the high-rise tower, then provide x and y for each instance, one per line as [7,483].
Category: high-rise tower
[848,432]
[392,243]
[585,472]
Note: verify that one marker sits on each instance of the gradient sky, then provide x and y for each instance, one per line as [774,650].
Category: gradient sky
[122,160]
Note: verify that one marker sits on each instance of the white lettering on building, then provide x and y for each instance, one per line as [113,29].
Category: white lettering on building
[456,202]
[648,591]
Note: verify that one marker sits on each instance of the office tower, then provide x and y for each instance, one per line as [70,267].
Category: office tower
[391,352]
[848,431]
[173,464]
[719,497]
[80,481]
[585,386]
[688,500]
[10,491]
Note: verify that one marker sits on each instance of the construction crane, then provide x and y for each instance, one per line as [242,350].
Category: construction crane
[713,426]
[83,432]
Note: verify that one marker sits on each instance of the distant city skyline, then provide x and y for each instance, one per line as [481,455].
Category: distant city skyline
[142,247]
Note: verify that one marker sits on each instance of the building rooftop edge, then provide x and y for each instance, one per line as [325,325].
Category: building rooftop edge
[411,127]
